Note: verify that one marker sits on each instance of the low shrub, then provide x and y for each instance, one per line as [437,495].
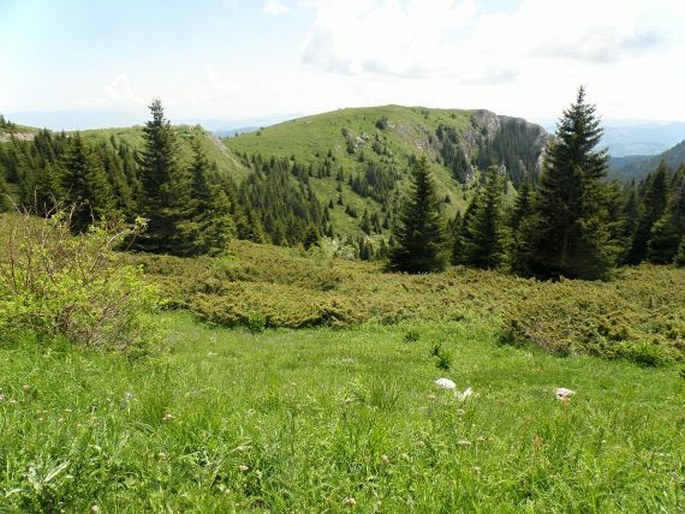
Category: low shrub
[53,283]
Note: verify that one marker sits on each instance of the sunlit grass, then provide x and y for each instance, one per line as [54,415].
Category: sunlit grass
[309,420]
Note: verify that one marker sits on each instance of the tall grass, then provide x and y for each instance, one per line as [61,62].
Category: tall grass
[335,420]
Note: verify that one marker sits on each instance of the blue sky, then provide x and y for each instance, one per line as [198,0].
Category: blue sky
[79,64]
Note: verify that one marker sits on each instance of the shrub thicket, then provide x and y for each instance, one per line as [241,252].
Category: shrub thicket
[53,283]
[642,310]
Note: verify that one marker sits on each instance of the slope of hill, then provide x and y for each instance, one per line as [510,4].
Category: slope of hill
[216,151]
[638,166]
[352,166]
[365,152]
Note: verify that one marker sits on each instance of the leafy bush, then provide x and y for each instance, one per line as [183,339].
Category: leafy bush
[639,318]
[53,283]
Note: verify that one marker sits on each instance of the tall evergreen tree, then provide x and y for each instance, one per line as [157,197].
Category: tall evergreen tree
[210,224]
[652,206]
[484,241]
[85,185]
[566,233]
[166,187]
[420,233]
[669,230]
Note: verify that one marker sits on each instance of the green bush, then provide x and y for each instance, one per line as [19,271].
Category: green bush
[53,283]
[291,288]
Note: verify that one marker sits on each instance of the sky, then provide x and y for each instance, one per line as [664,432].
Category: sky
[78,64]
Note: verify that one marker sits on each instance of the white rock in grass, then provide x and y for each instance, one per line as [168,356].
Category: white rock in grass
[445,383]
[465,394]
[563,394]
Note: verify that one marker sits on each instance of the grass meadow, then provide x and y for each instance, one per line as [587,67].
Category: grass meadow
[335,420]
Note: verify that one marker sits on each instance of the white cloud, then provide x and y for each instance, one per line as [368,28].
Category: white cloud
[216,88]
[117,93]
[433,38]
[405,39]
[274,7]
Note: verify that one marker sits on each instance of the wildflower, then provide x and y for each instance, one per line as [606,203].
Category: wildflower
[385,459]
[465,394]
[162,456]
[421,444]
[26,387]
[480,439]
[445,383]
[60,421]
[464,443]
[12,401]
[167,417]
[243,468]
[2,397]
[476,470]
[350,502]
[94,509]
[563,394]
[68,410]
[431,397]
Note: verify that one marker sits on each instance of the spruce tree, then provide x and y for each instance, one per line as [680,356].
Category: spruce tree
[483,241]
[420,233]
[166,189]
[669,230]
[210,225]
[566,233]
[652,206]
[85,185]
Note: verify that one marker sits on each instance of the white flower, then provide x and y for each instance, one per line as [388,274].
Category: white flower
[563,394]
[350,502]
[465,394]
[445,383]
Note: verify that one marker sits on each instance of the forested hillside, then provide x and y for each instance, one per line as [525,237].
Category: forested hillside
[339,174]
[638,166]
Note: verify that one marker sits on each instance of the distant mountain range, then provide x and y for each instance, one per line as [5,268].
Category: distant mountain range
[642,138]
[637,166]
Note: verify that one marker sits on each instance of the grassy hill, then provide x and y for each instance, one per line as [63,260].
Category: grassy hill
[216,152]
[358,161]
[457,143]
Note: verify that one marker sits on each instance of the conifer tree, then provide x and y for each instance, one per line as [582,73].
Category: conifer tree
[652,207]
[420,233]
[49,190]
[566,233]
[483,241]
[85,185]
[166,188]
[210,225]
[311,236]
[669,230]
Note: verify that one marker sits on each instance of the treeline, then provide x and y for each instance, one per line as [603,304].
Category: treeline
[190,208]
[569,222]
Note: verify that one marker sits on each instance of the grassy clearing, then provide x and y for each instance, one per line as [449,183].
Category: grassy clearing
[303,421]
